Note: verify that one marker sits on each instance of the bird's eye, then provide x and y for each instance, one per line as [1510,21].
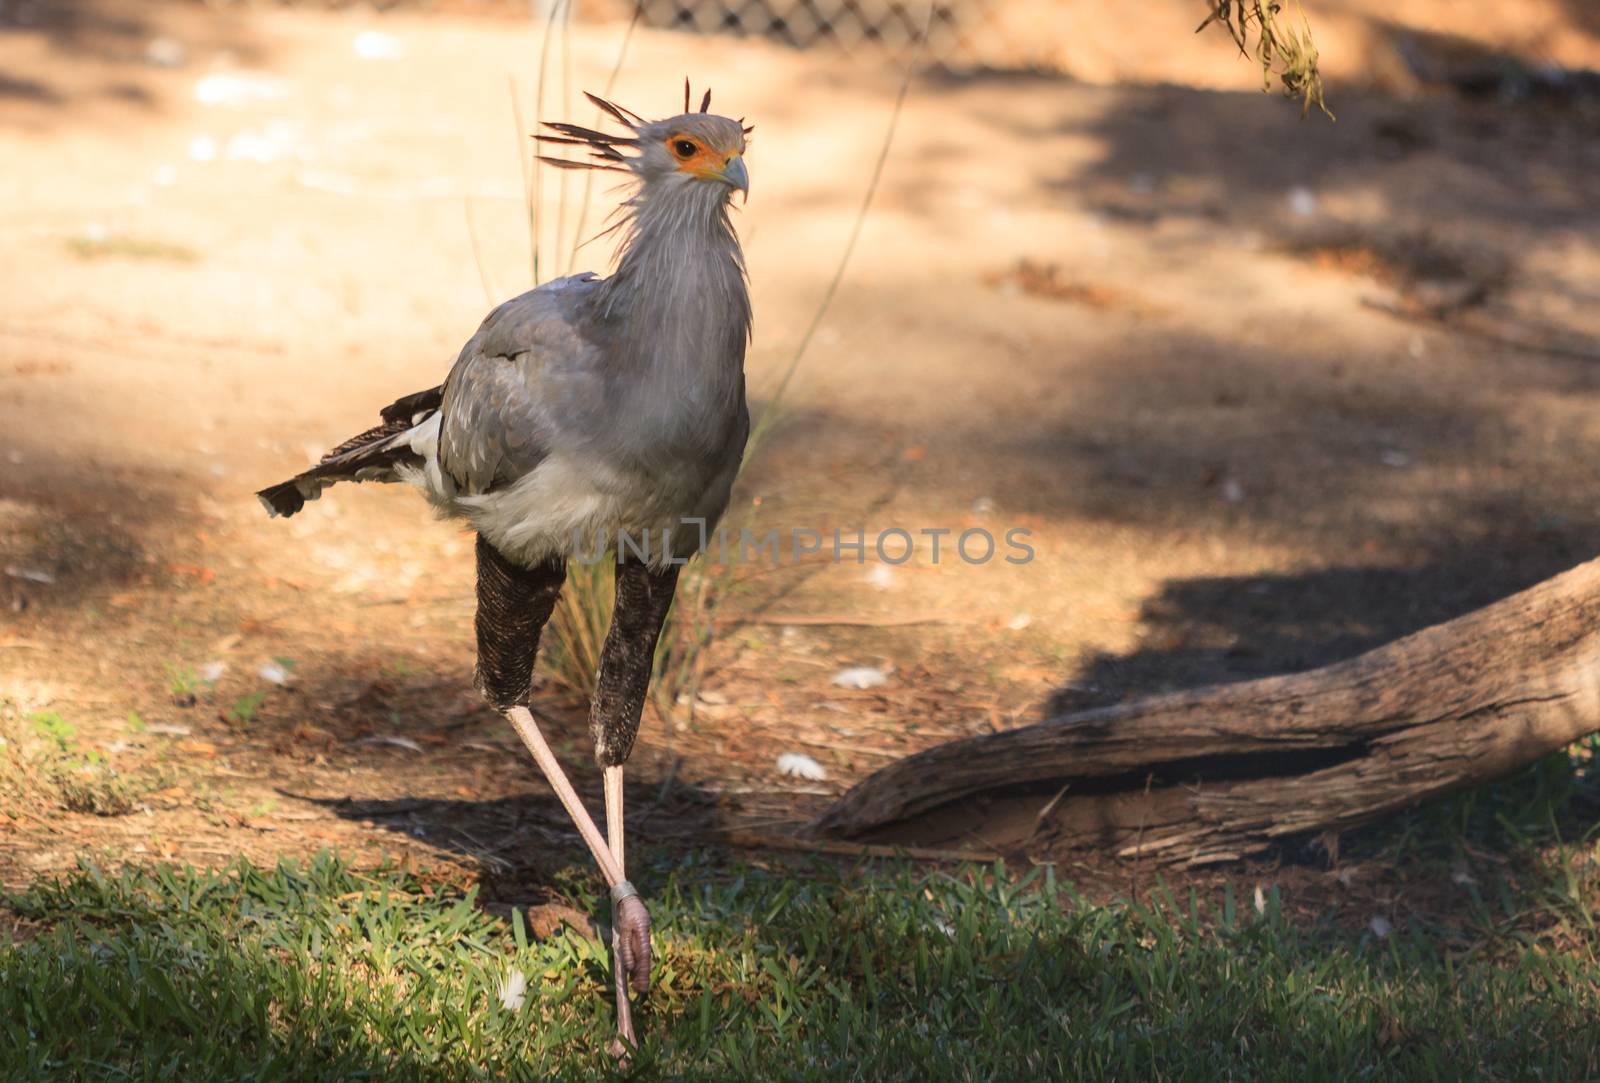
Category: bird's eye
[683,148]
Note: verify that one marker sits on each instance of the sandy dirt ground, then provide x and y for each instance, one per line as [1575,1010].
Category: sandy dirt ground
[1265,392]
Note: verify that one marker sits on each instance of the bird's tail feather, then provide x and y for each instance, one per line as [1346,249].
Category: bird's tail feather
[284,498]
[374,455]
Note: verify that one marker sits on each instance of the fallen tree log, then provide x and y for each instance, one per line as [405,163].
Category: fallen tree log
[1223,771]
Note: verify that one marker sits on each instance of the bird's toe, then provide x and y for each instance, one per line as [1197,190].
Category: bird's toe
[633,939]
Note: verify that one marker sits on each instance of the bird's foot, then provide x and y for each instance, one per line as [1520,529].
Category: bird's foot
[632,923]
[621,1047]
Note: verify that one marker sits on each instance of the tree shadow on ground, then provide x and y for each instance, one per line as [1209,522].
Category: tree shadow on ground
[71,531]
[82,27]
[30,89]
[497,811]
[119,36]
[518,842]
[1222,629]
[1173,151]
[1410,478]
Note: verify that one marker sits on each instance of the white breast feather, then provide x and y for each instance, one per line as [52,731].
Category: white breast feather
[559,504]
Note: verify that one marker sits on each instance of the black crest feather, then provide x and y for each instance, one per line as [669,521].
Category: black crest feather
[616,111]
[602,147]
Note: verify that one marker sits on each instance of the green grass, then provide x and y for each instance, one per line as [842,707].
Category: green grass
[43,760]
[182,683]
[243,711]
[318,972]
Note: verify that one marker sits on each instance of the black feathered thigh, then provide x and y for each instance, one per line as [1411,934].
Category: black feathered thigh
[643,598]
[513,605]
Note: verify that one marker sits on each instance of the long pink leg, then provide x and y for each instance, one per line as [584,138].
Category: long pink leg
[614,832]
[522,721]
[630,935]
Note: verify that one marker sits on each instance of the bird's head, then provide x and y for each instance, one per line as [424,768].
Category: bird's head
[691,149]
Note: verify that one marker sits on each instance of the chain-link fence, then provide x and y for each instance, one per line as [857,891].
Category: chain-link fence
[960,33]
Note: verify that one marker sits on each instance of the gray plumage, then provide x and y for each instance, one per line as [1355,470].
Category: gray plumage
[591,405]
[584,408]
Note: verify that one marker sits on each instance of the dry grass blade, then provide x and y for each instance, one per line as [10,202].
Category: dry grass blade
[578,627]
[490,292]
[617,111]
[566,111]
[530,174]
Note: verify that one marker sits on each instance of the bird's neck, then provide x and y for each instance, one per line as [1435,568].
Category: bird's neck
[678,296]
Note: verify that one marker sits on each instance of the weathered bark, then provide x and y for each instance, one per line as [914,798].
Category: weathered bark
[1219,772]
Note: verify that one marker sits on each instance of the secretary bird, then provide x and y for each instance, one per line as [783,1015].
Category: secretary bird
[581,409]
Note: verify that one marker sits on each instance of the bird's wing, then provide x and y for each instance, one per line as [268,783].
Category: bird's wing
[520,387]
[414,407]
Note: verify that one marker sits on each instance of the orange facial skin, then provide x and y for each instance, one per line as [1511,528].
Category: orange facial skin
[701,161]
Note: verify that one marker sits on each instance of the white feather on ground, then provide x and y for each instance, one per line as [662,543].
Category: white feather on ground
[513,990]
[860,677]
[799,765]
[391,739]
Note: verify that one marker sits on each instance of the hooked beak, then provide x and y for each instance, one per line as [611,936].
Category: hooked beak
[734,176]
